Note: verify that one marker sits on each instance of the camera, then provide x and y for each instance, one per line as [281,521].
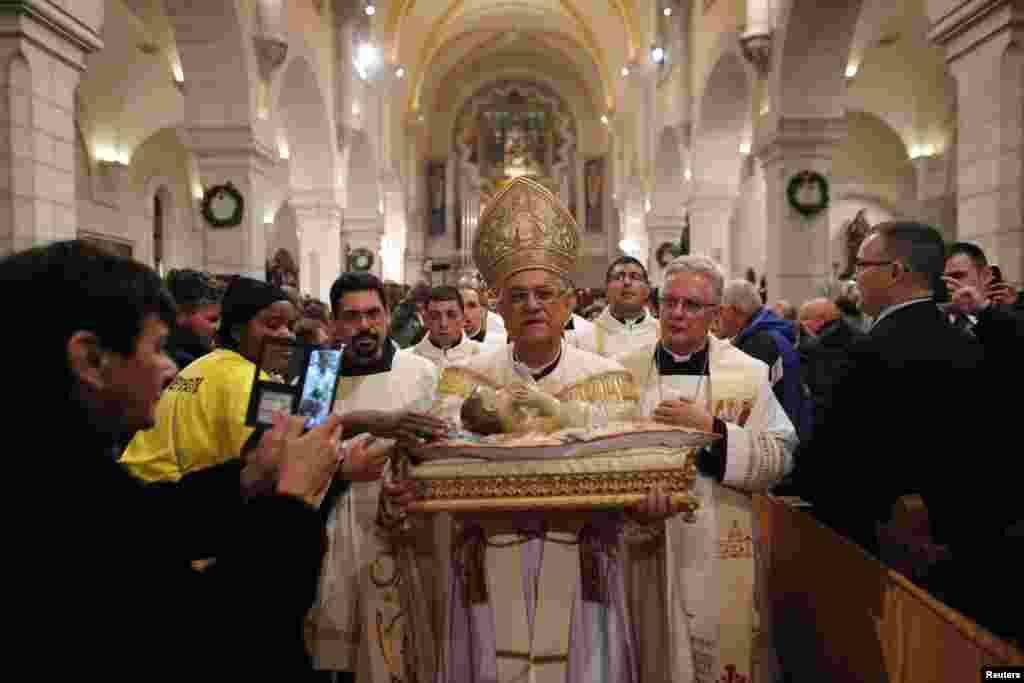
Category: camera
[299,379]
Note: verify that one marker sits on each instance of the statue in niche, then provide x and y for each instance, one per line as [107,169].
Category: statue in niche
[282,270]
[854,232]
[436,192]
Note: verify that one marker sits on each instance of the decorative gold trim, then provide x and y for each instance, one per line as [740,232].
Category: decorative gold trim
[459,381]
[567,490]
[525,227]
[617,385]
[550,503]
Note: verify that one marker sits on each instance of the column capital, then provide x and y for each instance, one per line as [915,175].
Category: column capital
[40,22]
[969,24]
[307,210]
[800,137]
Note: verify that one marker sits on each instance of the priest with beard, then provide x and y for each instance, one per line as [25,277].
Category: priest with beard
[692,379]
[360,619]
[537,602]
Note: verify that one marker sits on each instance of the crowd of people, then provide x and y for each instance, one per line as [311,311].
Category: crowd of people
[252,551]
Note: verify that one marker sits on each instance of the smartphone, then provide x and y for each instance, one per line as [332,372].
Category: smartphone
[997,276]
[299,379]
[320,385]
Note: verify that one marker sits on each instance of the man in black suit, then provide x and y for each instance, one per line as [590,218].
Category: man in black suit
[908,416]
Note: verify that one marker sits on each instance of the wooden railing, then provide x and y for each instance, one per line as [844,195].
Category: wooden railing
[837,614]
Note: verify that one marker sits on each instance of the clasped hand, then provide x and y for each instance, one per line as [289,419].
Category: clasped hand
[684,413]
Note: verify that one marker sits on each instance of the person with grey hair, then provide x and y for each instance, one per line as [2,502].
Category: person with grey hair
[690,378]
[759,331]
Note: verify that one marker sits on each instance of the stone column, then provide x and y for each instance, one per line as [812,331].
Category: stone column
[936,204]
[319,228]
[233,154]
[710,231]
[42,55]
[797,246]
[634,222]
[983,42]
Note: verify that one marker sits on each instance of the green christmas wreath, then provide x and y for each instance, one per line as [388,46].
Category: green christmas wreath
[798,182]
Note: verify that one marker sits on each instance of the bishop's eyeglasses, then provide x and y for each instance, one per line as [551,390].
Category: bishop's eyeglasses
[689,306]
[544,295]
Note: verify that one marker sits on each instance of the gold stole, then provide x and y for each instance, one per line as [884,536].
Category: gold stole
[733,390]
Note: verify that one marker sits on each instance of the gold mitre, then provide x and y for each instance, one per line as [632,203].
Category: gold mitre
[525,227]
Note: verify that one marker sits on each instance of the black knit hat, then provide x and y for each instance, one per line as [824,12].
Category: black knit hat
[192,288]
[244,299]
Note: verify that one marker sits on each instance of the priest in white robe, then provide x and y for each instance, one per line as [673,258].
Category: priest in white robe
[364,624]
[479,322]
[446,342]
[539,603]
[691,378]
[625,324]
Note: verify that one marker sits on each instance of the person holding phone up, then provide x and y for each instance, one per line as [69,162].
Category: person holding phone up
[103,570]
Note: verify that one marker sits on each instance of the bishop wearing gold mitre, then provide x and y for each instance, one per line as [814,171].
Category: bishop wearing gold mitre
[540,600]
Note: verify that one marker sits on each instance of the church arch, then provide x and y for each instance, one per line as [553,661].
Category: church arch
[667,196]
[159,170]
[362,188]
[723,127]
[303,113]
[810,54]
[217,61]
[721,162]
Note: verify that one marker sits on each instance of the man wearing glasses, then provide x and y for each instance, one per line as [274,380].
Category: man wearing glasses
[691,378]
[625,324]
[900,379]
[377,390]
[526,246]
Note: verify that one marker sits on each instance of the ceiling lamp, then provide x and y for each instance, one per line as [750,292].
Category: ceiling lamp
[667,12]
[625,71]
[370,10]
[399,72]
[657,54]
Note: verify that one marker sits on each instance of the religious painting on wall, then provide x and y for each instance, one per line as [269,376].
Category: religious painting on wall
[436,197]
[593,172]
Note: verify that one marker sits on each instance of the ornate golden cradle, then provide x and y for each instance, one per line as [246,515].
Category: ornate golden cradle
[610,465]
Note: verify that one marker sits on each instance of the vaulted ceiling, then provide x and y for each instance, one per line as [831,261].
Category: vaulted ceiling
[446,42]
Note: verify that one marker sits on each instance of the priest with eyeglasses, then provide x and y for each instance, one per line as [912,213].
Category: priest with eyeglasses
[541,600]
[691,378]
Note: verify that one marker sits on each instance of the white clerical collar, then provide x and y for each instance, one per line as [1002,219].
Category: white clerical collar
[525,371]
[685,358]
[889,310]
[629,323]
